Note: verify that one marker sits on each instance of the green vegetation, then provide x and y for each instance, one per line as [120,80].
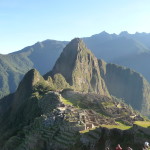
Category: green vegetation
[76,101]
[144,124]
[108,104]
[60,82]
[121,127]
[88,130]
[15,65]
[66,102]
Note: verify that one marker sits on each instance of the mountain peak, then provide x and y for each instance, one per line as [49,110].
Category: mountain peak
[80,68]
[76,40]
[124,33]
[31,78]
[104,33]
[65,63]
[76,44]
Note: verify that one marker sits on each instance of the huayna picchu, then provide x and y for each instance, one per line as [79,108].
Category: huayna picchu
[74,107]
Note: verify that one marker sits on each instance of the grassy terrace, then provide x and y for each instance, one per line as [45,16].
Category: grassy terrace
[74,101]
[65,101]
[121,126]
[144,124]
[85,131]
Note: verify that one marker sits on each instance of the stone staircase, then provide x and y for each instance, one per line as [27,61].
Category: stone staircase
[65,139]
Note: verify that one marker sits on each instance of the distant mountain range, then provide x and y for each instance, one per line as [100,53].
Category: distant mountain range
[130,50]
[75,105]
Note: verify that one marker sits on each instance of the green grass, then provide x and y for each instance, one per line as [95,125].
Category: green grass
[108,104]
[120,126]
[85,131]
[65,101]
[144,124]
[75,101]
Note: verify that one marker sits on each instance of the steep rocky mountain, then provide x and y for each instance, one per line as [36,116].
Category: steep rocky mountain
[80,68]
[41,56]
[127,85]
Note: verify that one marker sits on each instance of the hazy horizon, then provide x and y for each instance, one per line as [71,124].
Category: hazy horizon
[24,46]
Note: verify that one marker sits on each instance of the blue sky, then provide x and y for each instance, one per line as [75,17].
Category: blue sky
[24,22]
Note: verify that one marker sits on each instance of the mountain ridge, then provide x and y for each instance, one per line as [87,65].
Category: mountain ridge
[43,115]
[17,64]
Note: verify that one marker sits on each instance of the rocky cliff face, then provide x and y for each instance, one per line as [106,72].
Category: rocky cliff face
[128,85]
[80,68]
